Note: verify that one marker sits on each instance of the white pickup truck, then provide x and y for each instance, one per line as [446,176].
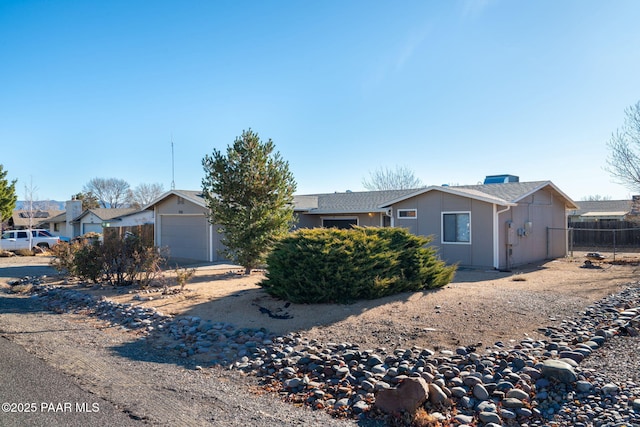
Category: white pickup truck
[14,240]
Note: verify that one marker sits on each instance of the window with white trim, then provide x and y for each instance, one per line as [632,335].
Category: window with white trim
[407,213]
[456,227]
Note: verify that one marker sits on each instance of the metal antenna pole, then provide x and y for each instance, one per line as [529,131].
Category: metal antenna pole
[173,176]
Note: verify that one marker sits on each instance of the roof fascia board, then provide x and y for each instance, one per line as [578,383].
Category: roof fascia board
[451,190]
[196,200]
[341,212]
[79,217]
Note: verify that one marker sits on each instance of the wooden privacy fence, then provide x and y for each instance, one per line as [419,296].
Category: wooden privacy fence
[144,231]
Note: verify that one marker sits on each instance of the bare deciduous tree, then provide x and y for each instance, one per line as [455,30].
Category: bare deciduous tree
[400,178]
[30,203]
[144,194]
[111,192]
[624,157]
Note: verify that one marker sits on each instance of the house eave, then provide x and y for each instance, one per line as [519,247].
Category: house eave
[178,193]
[476,195]
[341,211]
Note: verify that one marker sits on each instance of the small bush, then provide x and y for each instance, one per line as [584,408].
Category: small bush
[331,265]
[183,275]
[64,257]
[89,260]
[118,261]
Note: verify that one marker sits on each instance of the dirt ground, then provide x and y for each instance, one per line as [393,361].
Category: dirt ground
[479,308]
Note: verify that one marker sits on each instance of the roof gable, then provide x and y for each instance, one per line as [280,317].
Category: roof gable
[105,213]
[193,196]
[517,191]
[458,191]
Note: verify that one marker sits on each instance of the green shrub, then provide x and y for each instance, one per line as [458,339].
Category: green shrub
[328,265]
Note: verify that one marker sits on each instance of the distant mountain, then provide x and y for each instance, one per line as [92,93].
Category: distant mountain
[41,204]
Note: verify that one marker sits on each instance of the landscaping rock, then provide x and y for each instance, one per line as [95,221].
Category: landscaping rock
[558,370]
[408,396]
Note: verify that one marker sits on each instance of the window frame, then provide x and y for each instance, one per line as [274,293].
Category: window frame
[407,210]
[442,225]
[339,218]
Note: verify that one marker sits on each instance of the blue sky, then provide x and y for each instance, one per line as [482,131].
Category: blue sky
[453,90]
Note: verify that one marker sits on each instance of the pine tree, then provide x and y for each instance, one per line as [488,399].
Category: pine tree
[249,193]
[8,195]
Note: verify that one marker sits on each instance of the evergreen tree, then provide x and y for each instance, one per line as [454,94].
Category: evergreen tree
[89,200]
[8,195]
[249,193]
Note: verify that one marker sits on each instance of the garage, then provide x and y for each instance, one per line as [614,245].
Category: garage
[91,227]
[185,235]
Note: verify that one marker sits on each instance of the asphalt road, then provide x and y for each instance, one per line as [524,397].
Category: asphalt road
[35,394]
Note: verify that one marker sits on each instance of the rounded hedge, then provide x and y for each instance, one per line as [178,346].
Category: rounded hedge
[329,265]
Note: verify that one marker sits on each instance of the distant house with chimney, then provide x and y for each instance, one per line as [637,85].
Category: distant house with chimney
[606,211]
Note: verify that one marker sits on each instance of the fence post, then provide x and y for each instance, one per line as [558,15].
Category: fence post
[571,241]
[614,244]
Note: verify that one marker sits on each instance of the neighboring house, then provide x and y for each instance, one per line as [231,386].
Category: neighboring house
[602,211]
[57,225]
[490,225]
[74,222]
[498,225]
[24,218]
[181,226]
[93,220]
[130,219]
[62,224]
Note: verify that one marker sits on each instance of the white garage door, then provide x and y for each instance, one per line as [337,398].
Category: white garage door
[87,227]
[185,236]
